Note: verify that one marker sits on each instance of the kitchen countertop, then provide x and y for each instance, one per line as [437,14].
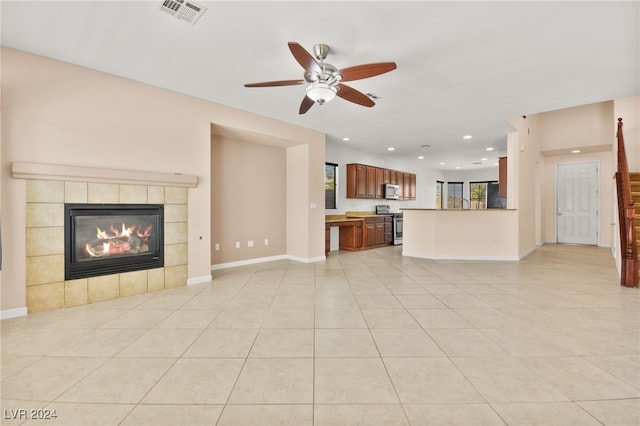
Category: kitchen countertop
[343,219]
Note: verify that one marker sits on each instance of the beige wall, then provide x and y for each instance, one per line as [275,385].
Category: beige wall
[248,200]
[57,113]
[587,127]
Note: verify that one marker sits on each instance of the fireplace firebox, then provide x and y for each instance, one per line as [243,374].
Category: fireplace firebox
[103,239]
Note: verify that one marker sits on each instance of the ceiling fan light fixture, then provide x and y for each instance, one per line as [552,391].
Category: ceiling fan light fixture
[321,92]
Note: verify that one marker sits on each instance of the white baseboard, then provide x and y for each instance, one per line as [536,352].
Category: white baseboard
[13,313]
[248,262]
[266,259]
[528,252]
[199,280]
[308,259]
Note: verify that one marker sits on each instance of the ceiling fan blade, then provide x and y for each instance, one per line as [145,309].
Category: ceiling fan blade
[275,83]
[352,95]
[304,58]
[306,104]
[365,71]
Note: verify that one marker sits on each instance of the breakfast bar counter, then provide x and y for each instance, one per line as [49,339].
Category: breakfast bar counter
[469,234]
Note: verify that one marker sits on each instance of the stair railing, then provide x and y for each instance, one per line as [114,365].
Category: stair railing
[626,213]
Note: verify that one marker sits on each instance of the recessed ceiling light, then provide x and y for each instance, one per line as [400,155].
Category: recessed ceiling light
[495,164]
[467,137]
[391,148]
[490,149]
[457,167]
[575,151]
[346,139]
[443,163]
[420,157]
[483,159]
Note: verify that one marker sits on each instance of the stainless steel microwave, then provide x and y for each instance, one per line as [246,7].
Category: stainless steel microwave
[391,192]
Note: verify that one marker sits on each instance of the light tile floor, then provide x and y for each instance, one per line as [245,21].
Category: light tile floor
[367,338]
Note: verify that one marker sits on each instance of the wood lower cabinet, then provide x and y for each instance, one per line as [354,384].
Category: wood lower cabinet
[388,230]
[377,231]
[351,237]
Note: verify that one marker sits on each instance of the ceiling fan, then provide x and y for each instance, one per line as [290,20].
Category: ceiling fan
[325,80]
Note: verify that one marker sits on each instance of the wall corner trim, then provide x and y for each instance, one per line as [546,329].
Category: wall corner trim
[13,313]
[24,170]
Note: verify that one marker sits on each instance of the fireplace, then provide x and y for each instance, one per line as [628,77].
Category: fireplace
[103,239]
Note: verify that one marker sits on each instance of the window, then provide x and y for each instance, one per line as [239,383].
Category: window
[439,186]
[478,194]
[330,186]
[454,195]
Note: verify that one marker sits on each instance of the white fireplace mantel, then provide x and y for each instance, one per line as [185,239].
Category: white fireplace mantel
[24,170]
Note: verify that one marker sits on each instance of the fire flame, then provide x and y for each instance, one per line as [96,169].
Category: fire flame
[128,239]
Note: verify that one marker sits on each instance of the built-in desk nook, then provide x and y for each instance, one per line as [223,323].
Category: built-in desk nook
[359,231]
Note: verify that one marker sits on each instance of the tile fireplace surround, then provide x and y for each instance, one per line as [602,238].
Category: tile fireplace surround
[46,287]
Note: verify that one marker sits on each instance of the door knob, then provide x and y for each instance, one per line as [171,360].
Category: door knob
[558,213]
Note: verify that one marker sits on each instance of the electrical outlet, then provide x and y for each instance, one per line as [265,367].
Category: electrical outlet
[250,243]
[217,246]
[266,241]
[237,244]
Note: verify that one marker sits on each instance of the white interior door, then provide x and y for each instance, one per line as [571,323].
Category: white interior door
[577,203]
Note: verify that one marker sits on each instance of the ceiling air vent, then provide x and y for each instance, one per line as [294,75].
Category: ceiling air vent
[182,9]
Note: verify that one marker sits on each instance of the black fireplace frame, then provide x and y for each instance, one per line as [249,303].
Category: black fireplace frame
[74,269]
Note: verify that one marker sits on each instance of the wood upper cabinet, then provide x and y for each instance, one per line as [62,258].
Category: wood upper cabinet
[356,181]
[400,183]
[379,183]
[502,177]
[368,182]
[371,182]
[407,187]
[412,186]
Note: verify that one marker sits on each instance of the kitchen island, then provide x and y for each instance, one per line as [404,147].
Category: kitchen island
[488,234]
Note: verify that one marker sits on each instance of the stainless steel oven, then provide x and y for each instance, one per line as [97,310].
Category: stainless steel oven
[385,209]
[397,229]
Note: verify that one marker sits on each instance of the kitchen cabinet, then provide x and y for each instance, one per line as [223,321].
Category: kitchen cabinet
[393,177]
[371,182]
[351,236]
[406,193]
[412,186]
[365,181]
[380,183]
[356,181]
[502,177]
[400,183]
[377,231]
[388,230]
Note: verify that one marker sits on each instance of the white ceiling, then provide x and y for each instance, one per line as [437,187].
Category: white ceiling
[463,67]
